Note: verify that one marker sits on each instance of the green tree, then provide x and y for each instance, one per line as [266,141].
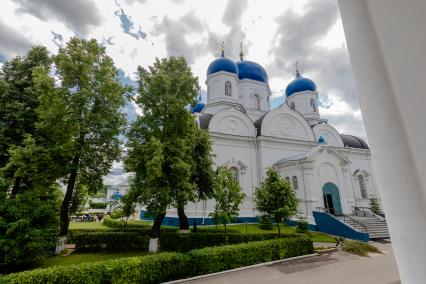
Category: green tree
[18,104]
[80,110]
[228,196]
[276,198]
[374,205]
[27,216]
[162,143]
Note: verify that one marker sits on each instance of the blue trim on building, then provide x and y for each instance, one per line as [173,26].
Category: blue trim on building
[200,221]
[329,224]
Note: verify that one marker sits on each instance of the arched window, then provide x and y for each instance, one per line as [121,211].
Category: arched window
[295,182]
[256,102]
[293,106]
[313,105]
[228,89]
[362,187]
[287,179]
[234,172]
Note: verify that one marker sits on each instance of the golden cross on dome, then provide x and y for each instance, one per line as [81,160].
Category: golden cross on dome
[297,67]
[241,51]
[222,47]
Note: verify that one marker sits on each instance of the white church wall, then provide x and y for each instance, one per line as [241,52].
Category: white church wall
[216,87]
[233,122]
[302,103]
[282,122]
[241,154]
[328,133]
[361,164]
[254,97]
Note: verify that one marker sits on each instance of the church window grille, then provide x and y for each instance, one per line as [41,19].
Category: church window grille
[234,172]
[362,187]
[287,179]
[293,106]
[295,182]
[313,105]
[256,102]
[228,89]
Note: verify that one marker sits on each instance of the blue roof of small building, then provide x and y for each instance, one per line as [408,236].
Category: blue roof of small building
[222,64]
[300,84]
[251,70]
[198,107]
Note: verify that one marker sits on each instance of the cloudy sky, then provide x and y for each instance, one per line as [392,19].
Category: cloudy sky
[275,33]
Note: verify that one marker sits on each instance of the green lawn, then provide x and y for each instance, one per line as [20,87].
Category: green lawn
[88,225]
[82,257]
[254,229]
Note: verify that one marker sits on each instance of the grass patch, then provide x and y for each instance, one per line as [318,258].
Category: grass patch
[88,225]
[255,229]
[84,257]
[359,248]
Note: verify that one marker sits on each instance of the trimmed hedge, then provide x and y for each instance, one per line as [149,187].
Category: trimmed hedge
[147,269]
[131,239]
[111,241]
[215,259]
[187,242]
[113,223]
[97,205]
[167,266]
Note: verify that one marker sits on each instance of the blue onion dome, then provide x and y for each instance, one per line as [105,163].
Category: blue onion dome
[251,70]
[300,84]
[222,64]
[116,195]
[198,108]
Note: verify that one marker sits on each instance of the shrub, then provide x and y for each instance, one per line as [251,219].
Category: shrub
[112,223]
[359,248]
[302,225]
[187,242]
[97,205]
[111,241]
[147,269]
[167,266]
[214,259]
[265,222]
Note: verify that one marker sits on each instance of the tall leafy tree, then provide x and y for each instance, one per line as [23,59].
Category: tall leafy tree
[228,196]
[276,198]
[80,109]
[161,143]
[26,216]
[18,104]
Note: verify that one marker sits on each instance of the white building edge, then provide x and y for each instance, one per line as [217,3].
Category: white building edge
[325,168]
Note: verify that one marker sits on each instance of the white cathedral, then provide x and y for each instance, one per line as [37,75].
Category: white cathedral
[325,168]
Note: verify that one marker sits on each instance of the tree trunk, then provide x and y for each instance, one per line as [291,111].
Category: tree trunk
[64,217]
[183,220]
[155,231]
[16,187]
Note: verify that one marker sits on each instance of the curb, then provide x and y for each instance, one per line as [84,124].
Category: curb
[242,268]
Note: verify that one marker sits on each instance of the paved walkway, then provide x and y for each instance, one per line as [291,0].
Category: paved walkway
[336,267]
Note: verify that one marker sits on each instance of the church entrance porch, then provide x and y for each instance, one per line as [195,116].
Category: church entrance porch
[332,198]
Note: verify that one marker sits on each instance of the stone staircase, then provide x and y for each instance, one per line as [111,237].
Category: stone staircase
[376,227]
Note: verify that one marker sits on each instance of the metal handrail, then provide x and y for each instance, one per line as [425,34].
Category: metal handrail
[362,209]
[354,220]
[337,213]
